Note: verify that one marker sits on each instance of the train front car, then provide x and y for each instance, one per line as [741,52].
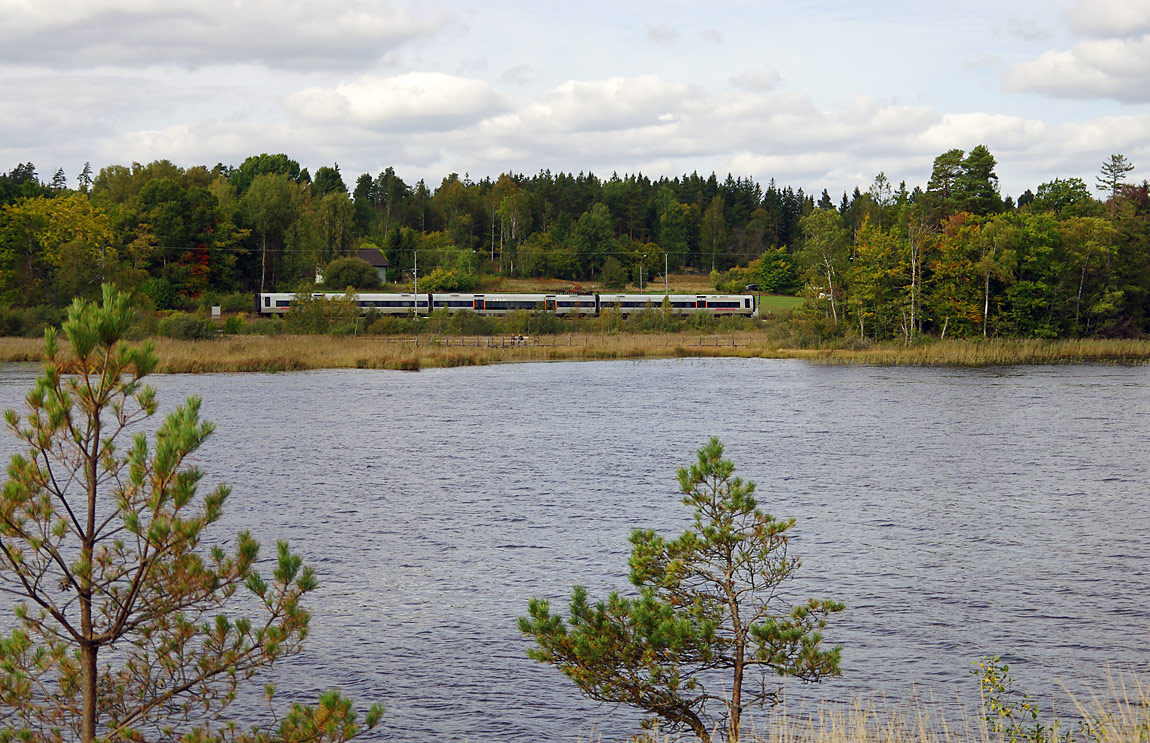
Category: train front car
[729,304]
[274,303]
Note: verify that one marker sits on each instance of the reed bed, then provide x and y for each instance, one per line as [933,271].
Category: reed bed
[995,352]
[298,352]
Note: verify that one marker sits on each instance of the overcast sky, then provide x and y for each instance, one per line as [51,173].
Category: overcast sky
[815,94]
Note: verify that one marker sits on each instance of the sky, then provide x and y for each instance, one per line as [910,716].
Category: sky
[816,94]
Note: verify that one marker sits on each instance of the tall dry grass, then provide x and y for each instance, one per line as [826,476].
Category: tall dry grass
[297,352]
[1119,713]
[997,352]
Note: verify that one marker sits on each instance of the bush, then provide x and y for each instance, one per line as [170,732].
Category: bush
[447,280]
[186,327]
[393,325]
[160,291]
[262,326]
[234,325]
[310,314]
[351,271]
[29,322]
[238,302]
[614,275]
[523,322]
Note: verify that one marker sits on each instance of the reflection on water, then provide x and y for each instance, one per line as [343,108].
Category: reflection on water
[957,513]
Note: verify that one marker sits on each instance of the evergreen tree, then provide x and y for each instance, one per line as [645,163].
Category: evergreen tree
[328,180]
[1112,176]
[709,601]
[84,180]
[122,632]
[977,184]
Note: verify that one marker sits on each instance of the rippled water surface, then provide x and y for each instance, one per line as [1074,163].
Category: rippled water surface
[956,512]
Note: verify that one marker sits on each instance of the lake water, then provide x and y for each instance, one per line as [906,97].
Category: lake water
[957,513]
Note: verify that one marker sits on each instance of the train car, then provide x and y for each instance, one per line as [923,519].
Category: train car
[278,303]
[502,304]
[683,304]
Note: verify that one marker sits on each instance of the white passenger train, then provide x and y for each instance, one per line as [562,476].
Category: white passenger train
[501,304]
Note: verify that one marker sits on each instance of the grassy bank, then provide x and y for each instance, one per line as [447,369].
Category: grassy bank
[297,352]
[989,353]
[1118,713]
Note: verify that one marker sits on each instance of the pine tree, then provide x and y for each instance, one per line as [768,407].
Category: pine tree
[1112,175]
[708,627]
[100,537]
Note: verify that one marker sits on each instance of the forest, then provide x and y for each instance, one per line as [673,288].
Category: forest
[951,258]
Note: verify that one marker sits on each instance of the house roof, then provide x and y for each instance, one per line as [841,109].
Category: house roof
[372,256]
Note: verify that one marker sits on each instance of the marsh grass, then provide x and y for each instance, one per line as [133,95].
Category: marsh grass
[297,352]
[996,352]
[1120,713]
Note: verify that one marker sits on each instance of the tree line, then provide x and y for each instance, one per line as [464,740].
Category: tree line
[951,258]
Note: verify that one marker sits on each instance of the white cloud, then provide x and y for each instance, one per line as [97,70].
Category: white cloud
[1094,68]
[518,75]
[70,112]
[661,33]
[296,35]
[1027,29]
[1106,19]
[759,80]
[604,105]
[418,100]
[624,125]
[1110,60]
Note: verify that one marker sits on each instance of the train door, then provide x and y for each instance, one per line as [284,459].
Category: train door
[480,304]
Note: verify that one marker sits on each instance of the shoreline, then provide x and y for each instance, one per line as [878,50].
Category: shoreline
[262,353]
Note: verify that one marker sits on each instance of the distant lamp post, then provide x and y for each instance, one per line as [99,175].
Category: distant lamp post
[642,262]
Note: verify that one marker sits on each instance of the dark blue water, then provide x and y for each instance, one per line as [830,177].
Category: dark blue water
[958,513]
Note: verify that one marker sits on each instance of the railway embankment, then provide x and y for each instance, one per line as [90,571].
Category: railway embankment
[264,353]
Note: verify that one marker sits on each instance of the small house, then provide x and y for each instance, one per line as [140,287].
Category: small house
[375,259]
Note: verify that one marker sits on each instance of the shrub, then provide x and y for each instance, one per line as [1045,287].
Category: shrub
[310,314]
[233,325]
[160,291]
[614,275]
[13,321]
[263,326]
[351,271]
[186,327]
[447,280]
[392,325]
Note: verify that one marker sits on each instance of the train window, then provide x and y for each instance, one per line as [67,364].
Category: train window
[267,301]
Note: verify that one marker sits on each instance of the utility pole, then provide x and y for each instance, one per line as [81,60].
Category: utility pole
[666,290]
[415,274]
